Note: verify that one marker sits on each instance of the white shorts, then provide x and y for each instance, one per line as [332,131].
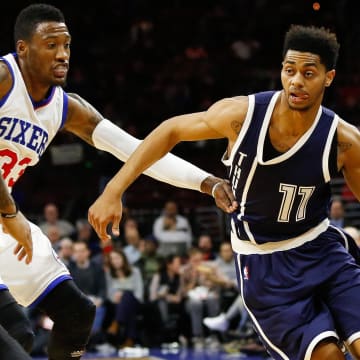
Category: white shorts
[28,283]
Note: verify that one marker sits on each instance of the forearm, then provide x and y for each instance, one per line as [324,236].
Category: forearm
[7,203]
[169,169]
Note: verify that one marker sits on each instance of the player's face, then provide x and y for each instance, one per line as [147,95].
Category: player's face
[304,79]
[46,56]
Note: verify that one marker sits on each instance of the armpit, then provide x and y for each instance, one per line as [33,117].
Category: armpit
[343,146]
[236,126]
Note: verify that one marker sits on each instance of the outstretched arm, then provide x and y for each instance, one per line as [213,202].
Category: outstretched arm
[87,123]
[197,126]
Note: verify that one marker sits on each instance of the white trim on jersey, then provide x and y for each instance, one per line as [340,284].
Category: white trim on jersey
[326,153]
[243,200]
[246,247]
[297,146]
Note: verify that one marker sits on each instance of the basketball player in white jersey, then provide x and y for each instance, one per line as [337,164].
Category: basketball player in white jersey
[33,108]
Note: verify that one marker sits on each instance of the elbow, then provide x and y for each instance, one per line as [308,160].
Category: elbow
[171,131]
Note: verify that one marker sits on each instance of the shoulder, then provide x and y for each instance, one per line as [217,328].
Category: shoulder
[82,117]
[227,115]
[74,104]
[347,132]
[5,79]
[348,141]
[230,107]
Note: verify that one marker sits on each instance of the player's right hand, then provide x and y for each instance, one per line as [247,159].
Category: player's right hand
[19,228]
[106,210]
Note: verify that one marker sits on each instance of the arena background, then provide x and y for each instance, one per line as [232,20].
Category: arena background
[140,62]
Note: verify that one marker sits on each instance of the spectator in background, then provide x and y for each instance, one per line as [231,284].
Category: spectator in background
[85,232]
[125,294]
[149,262]
[223,321]
[206,245]
[54,235]
[89,276]
[133,240]
[201,282]
[172,230]
[52,217]
[167,295]
[225,262]
[337,212]
[232,306]
[65,250]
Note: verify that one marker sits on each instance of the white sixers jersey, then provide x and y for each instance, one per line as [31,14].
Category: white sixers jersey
[26,127]
[26,130]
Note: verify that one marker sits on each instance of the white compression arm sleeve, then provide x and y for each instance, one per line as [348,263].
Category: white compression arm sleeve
[170,169]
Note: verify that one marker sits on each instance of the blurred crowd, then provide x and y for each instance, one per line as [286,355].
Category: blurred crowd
[150,289]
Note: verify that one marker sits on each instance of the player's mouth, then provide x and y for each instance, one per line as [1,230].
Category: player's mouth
[60,71]
[298,97]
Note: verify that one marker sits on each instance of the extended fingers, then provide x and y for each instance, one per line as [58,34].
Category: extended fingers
[100,226]
[116,225]
[23,252]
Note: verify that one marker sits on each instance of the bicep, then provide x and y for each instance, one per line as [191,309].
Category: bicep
[190,127]
[82,118]
[222,120]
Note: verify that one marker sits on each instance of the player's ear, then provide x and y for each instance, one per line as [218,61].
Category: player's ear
[329,77]
[20,47]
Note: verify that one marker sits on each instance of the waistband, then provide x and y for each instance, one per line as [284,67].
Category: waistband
[246,247]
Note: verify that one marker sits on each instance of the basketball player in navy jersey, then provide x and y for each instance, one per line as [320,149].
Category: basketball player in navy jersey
[299,284]
[33,108]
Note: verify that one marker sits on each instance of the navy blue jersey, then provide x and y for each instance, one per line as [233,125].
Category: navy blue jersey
[286,195]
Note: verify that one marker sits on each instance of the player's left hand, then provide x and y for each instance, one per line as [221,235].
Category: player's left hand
[222,192]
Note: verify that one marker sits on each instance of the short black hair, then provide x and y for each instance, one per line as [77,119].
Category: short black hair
[32,15]
[316,40]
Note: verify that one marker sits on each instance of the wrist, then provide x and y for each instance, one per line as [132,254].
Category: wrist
[214,189]
[114,189]
[10,215]
[208,184]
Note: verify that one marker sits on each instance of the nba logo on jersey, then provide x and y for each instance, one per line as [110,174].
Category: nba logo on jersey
[246,273]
